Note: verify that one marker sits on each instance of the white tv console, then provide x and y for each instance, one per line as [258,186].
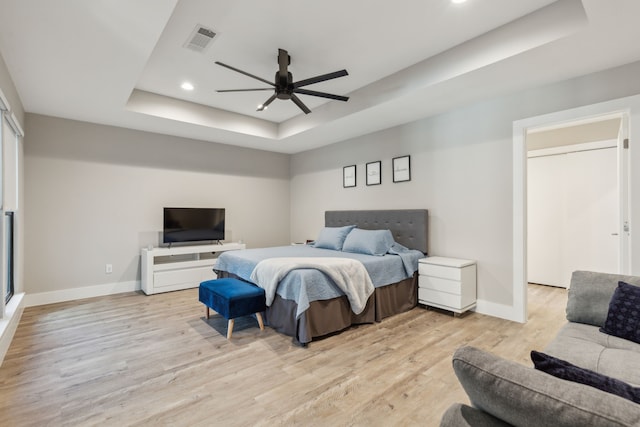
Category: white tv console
[181,267]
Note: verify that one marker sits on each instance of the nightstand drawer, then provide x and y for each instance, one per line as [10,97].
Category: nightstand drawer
[441,285]
[427,296]
[445,299]
[439,271]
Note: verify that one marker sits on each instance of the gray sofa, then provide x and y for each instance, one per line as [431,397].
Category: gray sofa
[506,393]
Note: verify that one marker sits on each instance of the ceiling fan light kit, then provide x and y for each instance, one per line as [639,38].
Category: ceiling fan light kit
[285,88]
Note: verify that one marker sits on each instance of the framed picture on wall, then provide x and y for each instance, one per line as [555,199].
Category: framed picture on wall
[374,173]
[401,169]
[349,176]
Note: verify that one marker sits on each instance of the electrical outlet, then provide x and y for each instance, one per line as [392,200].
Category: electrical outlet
[108,269]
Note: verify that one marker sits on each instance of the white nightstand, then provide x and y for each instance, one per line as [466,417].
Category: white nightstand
[447,283]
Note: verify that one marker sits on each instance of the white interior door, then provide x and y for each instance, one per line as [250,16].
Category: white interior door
[573,215]
[592,241]
[546,219]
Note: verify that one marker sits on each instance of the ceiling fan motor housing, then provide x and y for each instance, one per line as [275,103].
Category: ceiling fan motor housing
[284,87]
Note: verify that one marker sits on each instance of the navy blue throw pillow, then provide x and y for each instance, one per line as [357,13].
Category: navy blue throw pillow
[567,371]
[623,318]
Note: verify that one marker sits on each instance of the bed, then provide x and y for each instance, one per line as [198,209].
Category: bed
[308,304]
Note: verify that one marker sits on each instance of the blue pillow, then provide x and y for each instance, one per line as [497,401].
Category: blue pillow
[623,318]
[333,237]
[368,242]
[567,371]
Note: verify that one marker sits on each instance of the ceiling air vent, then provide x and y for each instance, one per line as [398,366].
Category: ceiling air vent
[200,39]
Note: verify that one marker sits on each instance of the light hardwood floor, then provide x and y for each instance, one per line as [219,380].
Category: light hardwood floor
[131,359]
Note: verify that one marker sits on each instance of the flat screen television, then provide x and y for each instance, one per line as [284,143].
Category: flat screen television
[193,225]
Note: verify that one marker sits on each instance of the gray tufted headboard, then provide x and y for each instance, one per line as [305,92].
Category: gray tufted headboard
[408,226]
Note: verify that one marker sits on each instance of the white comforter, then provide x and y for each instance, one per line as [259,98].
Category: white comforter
[348,274]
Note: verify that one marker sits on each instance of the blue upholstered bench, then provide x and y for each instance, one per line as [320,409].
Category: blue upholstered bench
[232,298]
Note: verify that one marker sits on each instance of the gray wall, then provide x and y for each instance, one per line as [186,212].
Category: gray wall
[461,170]
[94,195]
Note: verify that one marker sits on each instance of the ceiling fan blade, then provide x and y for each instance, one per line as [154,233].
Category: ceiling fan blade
[299,103]
[243,90]
[245,73]
[321,94]
[283,63]
[261,107]
[321,78]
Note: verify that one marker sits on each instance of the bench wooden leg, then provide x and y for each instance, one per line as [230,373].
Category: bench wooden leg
[230,328]
[260,322]
[206,311]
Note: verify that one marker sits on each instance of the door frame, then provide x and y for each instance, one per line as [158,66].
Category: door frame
[616,108]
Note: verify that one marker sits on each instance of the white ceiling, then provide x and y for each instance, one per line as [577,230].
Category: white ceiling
[121,62]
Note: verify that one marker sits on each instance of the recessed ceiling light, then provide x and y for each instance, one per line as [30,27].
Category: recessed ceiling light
[458,1]
[186,86]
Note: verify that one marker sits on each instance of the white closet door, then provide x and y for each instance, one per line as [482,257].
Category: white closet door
[546,219]
[572,215]
[592,209]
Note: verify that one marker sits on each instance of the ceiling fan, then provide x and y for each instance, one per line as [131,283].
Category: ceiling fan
[285,87]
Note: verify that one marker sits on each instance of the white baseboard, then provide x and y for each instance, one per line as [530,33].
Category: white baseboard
[502,311]
[9,323]
[63,295]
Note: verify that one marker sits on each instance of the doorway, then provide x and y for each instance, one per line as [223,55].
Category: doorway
[573,200]
[620,108]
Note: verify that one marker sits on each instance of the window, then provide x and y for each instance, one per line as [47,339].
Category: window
[10,136]
[8,250]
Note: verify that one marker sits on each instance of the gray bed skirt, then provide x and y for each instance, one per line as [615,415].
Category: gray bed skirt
[326,317]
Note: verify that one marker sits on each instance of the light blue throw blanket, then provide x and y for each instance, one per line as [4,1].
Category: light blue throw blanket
[348,274]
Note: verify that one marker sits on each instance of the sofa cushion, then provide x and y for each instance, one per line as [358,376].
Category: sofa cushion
[590,294]
[570,372]
[523,396]
[587,347]
[623,317]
